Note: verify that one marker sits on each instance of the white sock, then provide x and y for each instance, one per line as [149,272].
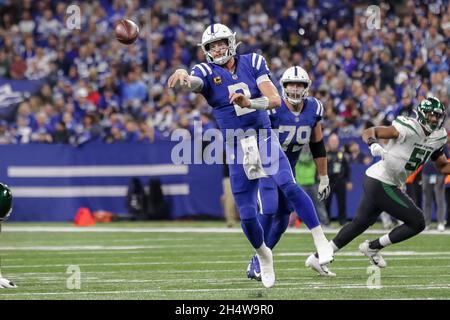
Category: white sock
[335,248]
[385,241]
[262,251]
[318,235]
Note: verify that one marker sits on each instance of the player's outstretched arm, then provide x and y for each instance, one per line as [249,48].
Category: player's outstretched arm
[269,91]
[185,81]
[270,98]
[371,135]
[380,132]
[319,153]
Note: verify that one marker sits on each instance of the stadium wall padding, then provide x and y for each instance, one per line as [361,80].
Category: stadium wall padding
[50,182]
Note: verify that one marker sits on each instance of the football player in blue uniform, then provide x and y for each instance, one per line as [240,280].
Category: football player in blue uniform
[5,211]
[240,90]
[298,123]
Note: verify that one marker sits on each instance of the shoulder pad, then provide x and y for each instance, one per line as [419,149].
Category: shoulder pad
[409,122]
[204,68]
[257,61]
[319,106]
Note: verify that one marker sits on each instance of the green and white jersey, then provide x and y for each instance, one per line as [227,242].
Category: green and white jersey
[405,154]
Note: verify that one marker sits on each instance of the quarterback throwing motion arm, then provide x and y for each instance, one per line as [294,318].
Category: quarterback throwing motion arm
[270,98]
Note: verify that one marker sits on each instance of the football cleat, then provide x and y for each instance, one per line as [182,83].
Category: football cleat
[441,227]
[267,271]
[6,284]
[313,263]
[373,254]
[253,269]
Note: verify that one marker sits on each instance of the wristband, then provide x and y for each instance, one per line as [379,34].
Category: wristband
[371,141]
[261,103]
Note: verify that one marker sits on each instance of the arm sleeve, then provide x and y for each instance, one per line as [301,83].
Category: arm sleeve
[318,149]
[196,84]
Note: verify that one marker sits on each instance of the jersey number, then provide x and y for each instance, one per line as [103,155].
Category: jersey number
[242,88]
[418,157]
[301,134]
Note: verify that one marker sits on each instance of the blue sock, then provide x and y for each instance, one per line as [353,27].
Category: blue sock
[265,220]
[253,231]
[280,223]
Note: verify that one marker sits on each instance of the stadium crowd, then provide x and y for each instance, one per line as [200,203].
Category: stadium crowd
[98,89]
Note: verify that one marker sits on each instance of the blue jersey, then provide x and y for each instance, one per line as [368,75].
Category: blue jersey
[295,127]
[219,82]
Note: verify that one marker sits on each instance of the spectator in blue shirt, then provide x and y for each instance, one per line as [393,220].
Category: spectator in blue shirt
[134,91]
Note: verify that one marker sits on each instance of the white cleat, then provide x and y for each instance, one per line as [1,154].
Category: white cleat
[267,271]
[325,252]
[441,227]
[6,284]
[373,254]
[313,263]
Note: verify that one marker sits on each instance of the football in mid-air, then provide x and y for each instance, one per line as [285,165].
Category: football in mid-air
[126,31]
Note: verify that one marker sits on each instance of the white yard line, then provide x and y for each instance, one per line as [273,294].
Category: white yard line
[250,290]
[98,247]
[301,268]
[85,247]
[107,229]
[242,279]
[225,262]
[384,253]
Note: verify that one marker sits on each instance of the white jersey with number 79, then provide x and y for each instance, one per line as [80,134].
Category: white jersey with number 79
[407,153]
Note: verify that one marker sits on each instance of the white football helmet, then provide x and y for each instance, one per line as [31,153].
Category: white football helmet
[299,75]
[214,33]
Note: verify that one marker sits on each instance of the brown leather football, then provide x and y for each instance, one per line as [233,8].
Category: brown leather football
[126,31]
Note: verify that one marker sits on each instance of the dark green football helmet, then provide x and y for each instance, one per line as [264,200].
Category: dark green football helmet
[428,107]
[5,202]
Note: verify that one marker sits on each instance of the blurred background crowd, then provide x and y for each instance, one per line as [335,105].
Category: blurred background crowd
[98,89]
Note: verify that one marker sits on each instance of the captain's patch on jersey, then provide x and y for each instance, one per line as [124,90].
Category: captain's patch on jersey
[217,80]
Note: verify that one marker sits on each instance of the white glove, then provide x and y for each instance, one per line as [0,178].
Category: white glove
[377,150]
[5,283]
[324,188]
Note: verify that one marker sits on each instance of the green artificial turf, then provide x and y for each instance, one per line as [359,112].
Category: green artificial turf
[194,262]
